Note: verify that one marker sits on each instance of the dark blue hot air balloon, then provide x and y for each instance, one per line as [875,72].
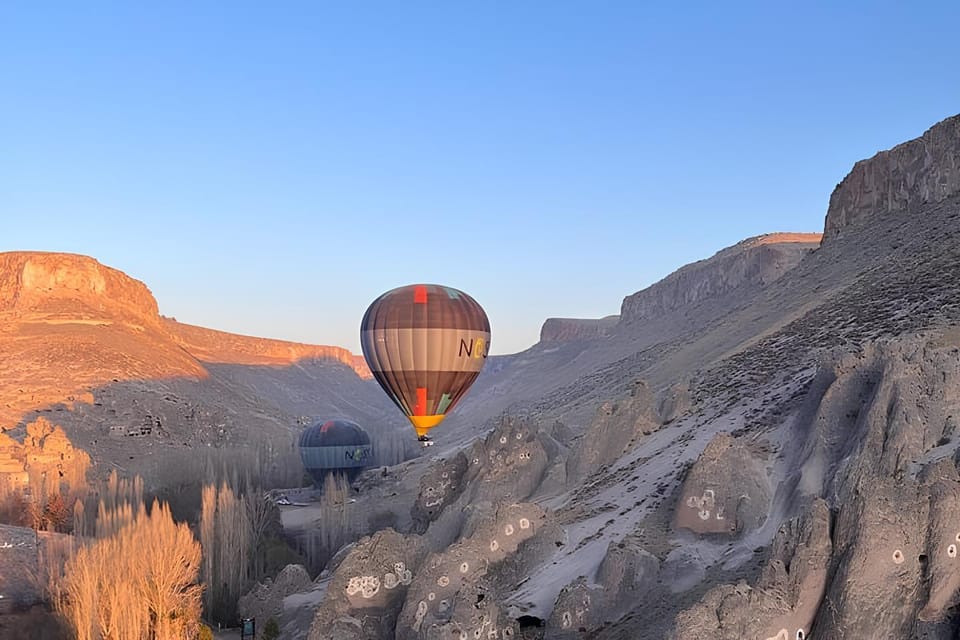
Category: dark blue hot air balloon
[335,446]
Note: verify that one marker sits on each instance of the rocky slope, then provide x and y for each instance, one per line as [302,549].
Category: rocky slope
[787,469]
[84,345]
[733,273]
[906,178]
[566,329]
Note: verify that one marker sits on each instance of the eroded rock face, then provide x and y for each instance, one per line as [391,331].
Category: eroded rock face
[615,429]
[628,572]
[209,345]
[368,589]
[786,598]
[726,491]
[439,487]
[457,593]
[510,462]
[46,452]
[265,600]
[922,171]
[876,442]
[943,541]
[579,608]
[747,266]
[63,284]
[569,329]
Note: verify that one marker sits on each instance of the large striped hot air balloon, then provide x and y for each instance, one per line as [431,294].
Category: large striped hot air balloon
[425,344]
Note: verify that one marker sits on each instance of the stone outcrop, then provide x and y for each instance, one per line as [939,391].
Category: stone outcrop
[727,490]
[616,428]
[923,171]
[209,345]
[568,329]
[458,593]
[46,455]
[265,599]
[439,487]
[69,286]
[783,603]
[734,273]
[369,588]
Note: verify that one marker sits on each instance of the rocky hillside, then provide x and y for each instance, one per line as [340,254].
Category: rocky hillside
[734,273]
[784,469]
[567,329]
[84,345]
[690,300]
[906,178]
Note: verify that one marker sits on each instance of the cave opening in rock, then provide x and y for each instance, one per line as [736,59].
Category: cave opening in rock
[529,622]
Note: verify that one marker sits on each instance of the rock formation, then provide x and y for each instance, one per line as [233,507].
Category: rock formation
[265,600]
[45,461]
[369,588]
[903,179]
[616,427]
[727,491]
[730,274]
[566,329]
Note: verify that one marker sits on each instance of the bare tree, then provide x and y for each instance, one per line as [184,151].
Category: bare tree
[137,583]
[225,533]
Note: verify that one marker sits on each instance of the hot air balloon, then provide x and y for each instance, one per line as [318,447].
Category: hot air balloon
[425,344]
[335,446]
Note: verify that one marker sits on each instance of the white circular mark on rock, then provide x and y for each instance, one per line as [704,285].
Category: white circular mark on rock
[704,514]
[952,551]
[478,633]
[464,567]
[444,474]
[370,586]
[463,635]
[503,439]
[443,581]
[898,557]
[353,586]
[958,537]
[519,435]
[508,529]
[508,633]
[492,633]
[421,610]
[494,545]
[390,580]
[524,523]
[398,567]
[566,620]
[476,461]
[431,596]
[693,502]
[800,634]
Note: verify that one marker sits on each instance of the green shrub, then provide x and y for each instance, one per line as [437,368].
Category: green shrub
[271,630]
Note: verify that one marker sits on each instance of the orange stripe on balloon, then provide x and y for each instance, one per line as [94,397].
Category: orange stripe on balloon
[420,294]
[420,409]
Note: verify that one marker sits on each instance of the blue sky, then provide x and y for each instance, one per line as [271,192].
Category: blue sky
[270,168]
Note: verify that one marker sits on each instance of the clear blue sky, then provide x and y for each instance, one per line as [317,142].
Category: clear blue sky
[270,168]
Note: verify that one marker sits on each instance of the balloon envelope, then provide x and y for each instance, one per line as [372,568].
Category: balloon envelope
[334,446]
[425,344]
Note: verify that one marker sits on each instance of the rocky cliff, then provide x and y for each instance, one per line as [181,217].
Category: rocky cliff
[566,329]
[903,179]
[209,345]
[797,483]
[84,345]
[71,287]
[732,273]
